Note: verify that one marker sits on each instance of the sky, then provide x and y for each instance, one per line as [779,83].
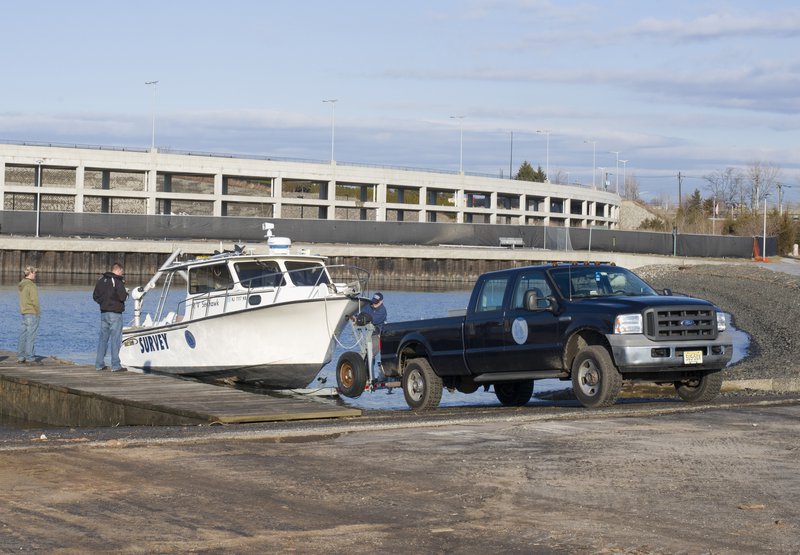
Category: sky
[572,86]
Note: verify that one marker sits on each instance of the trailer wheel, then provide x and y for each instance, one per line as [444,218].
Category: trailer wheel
[596,382]
[700,389]
[351,374]
[422,388]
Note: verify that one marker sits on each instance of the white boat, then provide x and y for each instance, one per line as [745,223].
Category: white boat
[270,318]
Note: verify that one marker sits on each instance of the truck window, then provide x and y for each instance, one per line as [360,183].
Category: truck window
[491,295]
[530,281]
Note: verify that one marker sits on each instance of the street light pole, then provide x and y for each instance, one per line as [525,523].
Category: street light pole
[332,102]
[617,174]
[460,143]
[594,160]
[153,115]
[547,155]
[38,194]
[624,177]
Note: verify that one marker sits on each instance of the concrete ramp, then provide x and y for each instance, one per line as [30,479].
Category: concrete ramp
[59,394]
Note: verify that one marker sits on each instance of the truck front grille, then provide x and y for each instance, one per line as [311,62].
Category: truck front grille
[681,322]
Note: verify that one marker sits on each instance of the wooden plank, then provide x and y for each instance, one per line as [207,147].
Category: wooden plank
[167,395]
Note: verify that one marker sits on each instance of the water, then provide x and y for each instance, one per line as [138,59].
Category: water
[70,323]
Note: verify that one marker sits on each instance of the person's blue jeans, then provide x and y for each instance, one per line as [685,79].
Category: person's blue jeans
[110,333]
[27,336]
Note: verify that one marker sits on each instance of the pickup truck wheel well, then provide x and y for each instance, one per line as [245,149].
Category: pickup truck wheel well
[410,351]
[580,340]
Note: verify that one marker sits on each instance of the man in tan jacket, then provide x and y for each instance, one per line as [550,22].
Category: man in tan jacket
[29,308]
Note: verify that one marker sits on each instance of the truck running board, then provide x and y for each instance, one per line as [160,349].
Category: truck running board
[516,376]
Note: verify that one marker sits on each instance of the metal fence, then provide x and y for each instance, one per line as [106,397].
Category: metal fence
[65,224]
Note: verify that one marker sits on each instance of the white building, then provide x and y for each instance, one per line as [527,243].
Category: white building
[138,181]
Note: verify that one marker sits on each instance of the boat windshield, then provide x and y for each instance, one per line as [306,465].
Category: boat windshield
[260,273]
[587,281]
[305,273]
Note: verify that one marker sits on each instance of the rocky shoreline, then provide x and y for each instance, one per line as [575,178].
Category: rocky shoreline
[763,303]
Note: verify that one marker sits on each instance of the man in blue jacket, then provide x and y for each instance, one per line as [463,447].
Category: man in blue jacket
[375,313]
[110,294]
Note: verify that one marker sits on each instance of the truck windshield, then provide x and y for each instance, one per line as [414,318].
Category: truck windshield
[588,281]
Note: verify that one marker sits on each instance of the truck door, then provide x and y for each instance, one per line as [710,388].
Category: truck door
[532,338]
[484,337]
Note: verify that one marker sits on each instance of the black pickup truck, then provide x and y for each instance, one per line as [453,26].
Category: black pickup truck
[593,324]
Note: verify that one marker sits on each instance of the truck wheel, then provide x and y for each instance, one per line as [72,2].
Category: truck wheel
[514,394]
[595,380]
[700,389]
[351,374]
[422,388]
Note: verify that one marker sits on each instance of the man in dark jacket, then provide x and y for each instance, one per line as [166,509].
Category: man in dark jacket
[110,294]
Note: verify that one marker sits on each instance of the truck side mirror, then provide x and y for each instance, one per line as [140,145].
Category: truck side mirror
[534,300]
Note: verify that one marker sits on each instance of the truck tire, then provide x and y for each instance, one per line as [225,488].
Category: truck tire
[351,374]
[422,388]
[596,382]
[514,394]
[700,389]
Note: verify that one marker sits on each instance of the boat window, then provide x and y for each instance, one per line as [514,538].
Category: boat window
[260,273]
[305,273]
[204,279]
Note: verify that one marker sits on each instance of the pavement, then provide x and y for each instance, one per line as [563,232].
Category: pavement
[644,476]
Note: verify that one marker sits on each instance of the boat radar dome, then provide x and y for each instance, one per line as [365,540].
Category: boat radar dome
[279,245]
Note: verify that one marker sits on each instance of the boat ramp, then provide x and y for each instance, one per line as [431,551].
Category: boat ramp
[56,393]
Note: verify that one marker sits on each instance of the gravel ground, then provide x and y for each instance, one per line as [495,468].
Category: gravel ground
[763,303]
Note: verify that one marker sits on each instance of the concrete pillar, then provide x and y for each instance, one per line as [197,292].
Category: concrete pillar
[80,175]
[2,184]
[380,199]
[277,195]
[423,203]
[152,176]
[217,194]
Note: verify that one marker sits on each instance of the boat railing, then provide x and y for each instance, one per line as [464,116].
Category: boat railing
[337,279]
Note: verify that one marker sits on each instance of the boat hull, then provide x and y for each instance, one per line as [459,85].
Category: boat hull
[281,345]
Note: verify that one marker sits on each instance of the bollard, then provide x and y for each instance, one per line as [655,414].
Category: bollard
[794,250]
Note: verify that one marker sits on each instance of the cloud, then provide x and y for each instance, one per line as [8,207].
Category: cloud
[720,26]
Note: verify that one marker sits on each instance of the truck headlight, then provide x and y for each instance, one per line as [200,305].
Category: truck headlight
[722,321]
[628,323]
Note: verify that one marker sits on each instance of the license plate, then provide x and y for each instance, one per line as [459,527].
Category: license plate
[693,357]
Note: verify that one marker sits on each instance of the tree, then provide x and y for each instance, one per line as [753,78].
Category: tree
[725,187]
[630,189]
[525,172]
[539,175]
[762,179]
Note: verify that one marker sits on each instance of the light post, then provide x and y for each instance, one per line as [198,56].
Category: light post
[153,115]
[546,132]
[602,177]
[332,102]
[460,143]
[624,176]
[38,194]
[617,170]
[594,160]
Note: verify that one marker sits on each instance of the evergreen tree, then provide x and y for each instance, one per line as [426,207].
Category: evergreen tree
[525,172]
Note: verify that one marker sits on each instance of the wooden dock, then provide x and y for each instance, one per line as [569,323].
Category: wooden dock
[62,394]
